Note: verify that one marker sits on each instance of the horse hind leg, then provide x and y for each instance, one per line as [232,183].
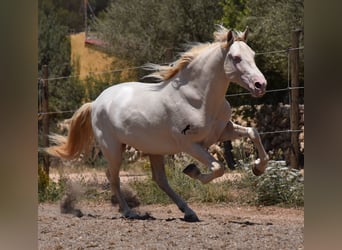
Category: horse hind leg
[234,131]
[112,151]
[159,176]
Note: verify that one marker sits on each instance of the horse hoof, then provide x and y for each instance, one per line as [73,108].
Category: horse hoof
[256,171]
[191,218]
[78,213]
[146,216]
[192,171]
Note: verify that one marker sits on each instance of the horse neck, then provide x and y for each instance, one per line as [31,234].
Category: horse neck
[204,78]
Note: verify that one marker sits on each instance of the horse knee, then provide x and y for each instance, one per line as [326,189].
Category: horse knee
[218,169]
[252,133]
[219,172]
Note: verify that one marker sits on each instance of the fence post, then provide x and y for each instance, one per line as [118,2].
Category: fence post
[46,161]
[294,115]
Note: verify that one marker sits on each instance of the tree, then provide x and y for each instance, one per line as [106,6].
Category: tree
[234,13]
[53,41]
[152,31]
[71,13]
[273,23]
[54,50]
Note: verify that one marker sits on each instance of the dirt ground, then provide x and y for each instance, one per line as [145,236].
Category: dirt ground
[222,226]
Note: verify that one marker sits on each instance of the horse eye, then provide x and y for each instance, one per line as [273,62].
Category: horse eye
[236,59]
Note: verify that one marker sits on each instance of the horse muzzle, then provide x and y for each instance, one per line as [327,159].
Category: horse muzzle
[259,88]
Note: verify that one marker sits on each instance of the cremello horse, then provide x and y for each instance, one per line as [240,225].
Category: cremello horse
[185,112]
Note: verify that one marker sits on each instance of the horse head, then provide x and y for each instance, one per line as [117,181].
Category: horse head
[239,65]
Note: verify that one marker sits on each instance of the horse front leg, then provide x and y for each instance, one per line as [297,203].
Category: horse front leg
[159,176]
[216,168]
[233,131]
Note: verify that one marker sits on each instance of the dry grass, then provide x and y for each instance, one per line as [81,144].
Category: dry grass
[279,186]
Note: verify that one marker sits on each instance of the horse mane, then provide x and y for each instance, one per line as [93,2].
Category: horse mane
[166,72]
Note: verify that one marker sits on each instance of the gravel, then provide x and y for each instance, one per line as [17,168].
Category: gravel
[222,226]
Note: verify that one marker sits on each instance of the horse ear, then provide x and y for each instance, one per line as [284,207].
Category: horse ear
[245,34]
[230,37]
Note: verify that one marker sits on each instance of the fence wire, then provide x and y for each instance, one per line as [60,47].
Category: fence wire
[142,66]
[288,88]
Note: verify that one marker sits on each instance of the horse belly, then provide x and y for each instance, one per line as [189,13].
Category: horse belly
[142,123]
[146,135]
[151,143]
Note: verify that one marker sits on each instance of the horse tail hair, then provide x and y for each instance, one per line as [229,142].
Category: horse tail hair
[79,138]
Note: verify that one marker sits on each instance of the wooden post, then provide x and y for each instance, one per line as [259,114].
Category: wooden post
[294,115]
[46,161]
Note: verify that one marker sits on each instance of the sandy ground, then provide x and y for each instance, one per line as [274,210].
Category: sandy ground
[221,227]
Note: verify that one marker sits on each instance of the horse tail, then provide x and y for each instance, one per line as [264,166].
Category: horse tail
[80,136]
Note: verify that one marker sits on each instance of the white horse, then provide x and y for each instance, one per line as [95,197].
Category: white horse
[186,112]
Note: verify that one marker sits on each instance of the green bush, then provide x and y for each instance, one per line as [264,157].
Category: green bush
[47,189]
[280,185]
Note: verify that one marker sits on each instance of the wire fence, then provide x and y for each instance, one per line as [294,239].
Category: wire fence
[292,146]
[286,52]
[143,66]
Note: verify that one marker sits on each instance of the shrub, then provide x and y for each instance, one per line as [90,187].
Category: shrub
[47,189]
[280,185]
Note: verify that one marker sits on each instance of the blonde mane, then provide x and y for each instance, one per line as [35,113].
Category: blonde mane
[163,72]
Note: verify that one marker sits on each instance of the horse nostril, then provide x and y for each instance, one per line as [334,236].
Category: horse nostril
[258,85]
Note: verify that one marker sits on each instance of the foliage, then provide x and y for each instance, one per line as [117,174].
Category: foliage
[189,189]
[47,189]
[71,12]
[160,28]
[280,185]
[53,42]
[43,181]
[157,29]
[65,94]
[234,14]
[273,23]
[55,51]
